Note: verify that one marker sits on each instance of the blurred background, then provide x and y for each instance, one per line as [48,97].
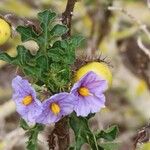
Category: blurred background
[116,34]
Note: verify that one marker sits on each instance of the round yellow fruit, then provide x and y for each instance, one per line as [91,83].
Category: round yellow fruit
[5,31]
[99,68]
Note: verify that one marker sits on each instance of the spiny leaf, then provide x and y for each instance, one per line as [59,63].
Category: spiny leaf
[58,30]
[53,51]
[5,57]
[27,33]
[20,59]
[46,16]
[109,134]
[76,40]
[33,135]
[83,134]
[109,146]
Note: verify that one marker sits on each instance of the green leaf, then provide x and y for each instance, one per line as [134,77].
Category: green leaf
[109,134]
[62,51]
[34,66]
[27,33]
[42,62]
[52,63]
[22,56]
[33,136]
[71,148]
[76,40]
[58,30]
[5,57]
[23,124]
[46,17]
[110,146]
[20,59]
[83,134]
[58,77]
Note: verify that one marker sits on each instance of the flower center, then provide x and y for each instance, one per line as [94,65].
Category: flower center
[84,91]
[27,100]
[55,108]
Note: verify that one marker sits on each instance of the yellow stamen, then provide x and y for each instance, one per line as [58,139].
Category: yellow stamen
[84,91]
[55,108]
[27,100]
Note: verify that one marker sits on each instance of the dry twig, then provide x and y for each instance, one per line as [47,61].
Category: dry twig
[142,27]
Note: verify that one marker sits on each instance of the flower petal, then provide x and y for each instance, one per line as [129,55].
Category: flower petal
[89,103]
[22,88]
[66,103]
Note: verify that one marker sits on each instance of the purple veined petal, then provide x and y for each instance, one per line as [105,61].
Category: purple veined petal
[82,108]
[22,89]
[47,118]
[34,111]
[97,87]
[96,104]
[64,101]
[93,102]
[88,78]
[75,87]
[87,105]
[94,82]
[67,108]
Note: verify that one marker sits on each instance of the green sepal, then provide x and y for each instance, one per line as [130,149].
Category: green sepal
[24,125]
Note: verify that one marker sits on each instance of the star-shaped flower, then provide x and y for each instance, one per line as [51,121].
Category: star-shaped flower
[27,105]
[56,107]
[89,94]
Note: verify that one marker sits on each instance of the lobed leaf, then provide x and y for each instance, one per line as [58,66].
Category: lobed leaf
[83,134]
[109,146]
[109,134]
[27,33]
[58,30]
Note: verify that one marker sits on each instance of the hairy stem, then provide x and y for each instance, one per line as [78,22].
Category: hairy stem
[59,138]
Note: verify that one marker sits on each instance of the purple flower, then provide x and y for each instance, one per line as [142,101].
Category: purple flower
[56,107]
[27,105]
[89,93]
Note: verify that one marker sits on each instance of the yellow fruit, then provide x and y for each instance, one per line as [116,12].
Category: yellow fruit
[146,146]
[5,31]
[99,68]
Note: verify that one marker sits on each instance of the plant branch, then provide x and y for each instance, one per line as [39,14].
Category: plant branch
[142,47]
[60,135]
[100,25]
[67,16]
[103,28]
[142,27]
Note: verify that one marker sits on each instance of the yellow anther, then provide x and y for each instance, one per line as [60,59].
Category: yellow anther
[83,91]
[55,108]
[27,100]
